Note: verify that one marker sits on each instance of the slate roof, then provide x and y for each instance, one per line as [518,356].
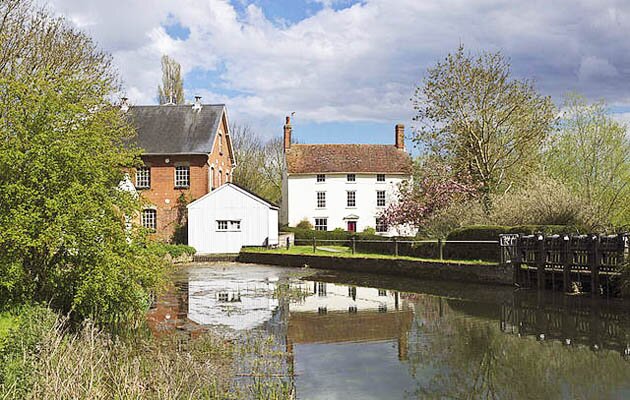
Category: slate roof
[176,129]
[348,158]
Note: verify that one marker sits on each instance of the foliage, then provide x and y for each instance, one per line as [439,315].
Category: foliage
[180,234]
[544,201]
[304,224]
[174,250]
[369,231]
[260,162]
[172,88]
[492,232]
[590,154]
[483,122]
[43,359]
[434,188]
[62,155]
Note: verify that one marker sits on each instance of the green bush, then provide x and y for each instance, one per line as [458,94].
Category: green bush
[304,224]
[175,250]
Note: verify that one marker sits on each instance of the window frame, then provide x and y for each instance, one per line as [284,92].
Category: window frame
[143,219]
[381,227]
[379,176]
[351,197]
[320,178]
[381,202]
[228,225]
[147,169]
[320,202]
[353,176]
[318,225]
[179,168]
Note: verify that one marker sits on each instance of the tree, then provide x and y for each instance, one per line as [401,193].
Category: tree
[63,152]
[172,88]
[435,187]
[590,153]
[481,121]
[260,162]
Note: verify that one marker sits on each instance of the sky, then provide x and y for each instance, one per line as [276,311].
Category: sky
[347,68]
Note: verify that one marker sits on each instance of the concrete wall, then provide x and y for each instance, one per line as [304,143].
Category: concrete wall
[300,199]
[489,274]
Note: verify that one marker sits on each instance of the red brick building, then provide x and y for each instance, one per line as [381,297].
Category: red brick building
[187,153]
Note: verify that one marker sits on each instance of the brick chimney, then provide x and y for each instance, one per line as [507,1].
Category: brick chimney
[287,134]
[400,136]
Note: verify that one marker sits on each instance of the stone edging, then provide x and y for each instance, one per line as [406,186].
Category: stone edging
[489,274]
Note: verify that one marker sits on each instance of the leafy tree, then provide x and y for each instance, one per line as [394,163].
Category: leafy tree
[590,153]
[62,156]
[260,162]
[172,88]
[483,122]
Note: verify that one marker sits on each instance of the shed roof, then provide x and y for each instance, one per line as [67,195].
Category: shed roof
[240,189]
[349,158]
[176,129]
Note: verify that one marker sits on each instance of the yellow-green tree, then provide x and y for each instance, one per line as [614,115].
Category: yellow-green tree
[172,88]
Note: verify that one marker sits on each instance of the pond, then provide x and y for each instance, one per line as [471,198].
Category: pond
[353,336]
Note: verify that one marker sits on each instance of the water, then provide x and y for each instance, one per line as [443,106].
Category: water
[352,336]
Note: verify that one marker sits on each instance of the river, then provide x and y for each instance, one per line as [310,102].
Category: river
[353,336]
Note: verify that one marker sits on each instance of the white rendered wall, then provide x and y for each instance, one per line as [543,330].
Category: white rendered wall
[229,203]
[301,199]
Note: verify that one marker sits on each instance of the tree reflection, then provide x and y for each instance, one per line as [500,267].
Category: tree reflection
[470,358]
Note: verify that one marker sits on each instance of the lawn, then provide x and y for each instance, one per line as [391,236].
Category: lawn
[342,251]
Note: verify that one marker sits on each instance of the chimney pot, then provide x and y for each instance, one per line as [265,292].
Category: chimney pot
[124,104]
[400,137]
[197,105]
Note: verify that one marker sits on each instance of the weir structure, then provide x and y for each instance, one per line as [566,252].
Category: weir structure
[570,263]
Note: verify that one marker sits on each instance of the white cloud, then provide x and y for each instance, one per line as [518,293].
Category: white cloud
[359,63]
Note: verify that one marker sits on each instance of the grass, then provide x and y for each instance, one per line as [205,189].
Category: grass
[7,321]
[347,252]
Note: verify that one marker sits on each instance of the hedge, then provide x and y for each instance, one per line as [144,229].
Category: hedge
[452,251]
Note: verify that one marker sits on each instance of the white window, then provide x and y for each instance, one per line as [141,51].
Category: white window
[149,219]
[321,178]
[321,199]
[321,224]
[182,176]
[382,292]
[228,225]
[380,198]
[351,200]
[381,227]
[351,178]
[143,178]
[380,178]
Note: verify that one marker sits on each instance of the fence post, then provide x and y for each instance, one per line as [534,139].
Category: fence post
[441,248]
[395,247]
[288,242]
[540,262]
[354,244]
[595,261]
[518,260]
[566,264]
[314,245]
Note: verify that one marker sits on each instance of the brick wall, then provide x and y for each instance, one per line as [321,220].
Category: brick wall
[164,196]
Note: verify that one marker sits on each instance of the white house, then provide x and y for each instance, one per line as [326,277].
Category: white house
[230,217]
[343,186]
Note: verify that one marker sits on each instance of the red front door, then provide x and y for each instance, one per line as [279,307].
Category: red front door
[352,226]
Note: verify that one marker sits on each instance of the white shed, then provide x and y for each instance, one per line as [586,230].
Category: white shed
[230,217]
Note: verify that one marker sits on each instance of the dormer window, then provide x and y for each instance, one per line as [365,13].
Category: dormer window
[321,178]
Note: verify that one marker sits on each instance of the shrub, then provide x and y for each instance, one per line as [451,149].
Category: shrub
[175,250]
[304,224]
[369,231]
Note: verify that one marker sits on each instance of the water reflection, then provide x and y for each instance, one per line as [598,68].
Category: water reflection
[367,337]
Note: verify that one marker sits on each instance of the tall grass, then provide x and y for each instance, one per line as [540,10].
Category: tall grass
[51,362]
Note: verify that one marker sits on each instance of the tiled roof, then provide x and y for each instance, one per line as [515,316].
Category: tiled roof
[176,129]
[329,158]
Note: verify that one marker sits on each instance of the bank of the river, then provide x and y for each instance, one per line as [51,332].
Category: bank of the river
[453,270]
